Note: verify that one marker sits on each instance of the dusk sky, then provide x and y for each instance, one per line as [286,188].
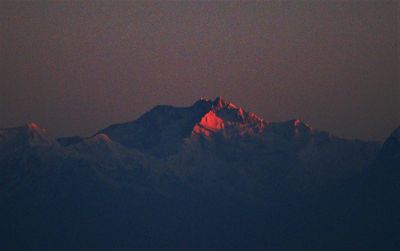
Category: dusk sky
[75,68]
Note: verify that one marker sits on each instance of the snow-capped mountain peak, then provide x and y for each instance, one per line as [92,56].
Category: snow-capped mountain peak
[30,134]
[227,117]
[163,130]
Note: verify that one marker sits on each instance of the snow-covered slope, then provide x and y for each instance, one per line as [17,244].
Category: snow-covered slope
[163,130]
[211,168]
[210,129]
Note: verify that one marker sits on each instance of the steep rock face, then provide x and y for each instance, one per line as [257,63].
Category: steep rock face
[225,117]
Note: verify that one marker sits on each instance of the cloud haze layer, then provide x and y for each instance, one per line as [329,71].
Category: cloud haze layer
[76,67]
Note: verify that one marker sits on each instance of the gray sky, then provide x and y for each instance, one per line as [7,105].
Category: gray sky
[77,67]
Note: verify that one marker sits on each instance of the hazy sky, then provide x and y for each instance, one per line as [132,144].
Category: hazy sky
[77,67]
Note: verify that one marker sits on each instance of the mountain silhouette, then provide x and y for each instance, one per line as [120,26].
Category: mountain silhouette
[211,176]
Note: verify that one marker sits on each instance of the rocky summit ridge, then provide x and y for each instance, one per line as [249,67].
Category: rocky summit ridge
[210,170]
[164,129]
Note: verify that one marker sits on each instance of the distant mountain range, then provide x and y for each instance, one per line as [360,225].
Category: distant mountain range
[211,176]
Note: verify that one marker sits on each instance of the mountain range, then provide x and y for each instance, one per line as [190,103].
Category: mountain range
[211,176]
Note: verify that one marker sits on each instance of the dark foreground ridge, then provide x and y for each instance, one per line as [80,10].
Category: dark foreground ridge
[211,176]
